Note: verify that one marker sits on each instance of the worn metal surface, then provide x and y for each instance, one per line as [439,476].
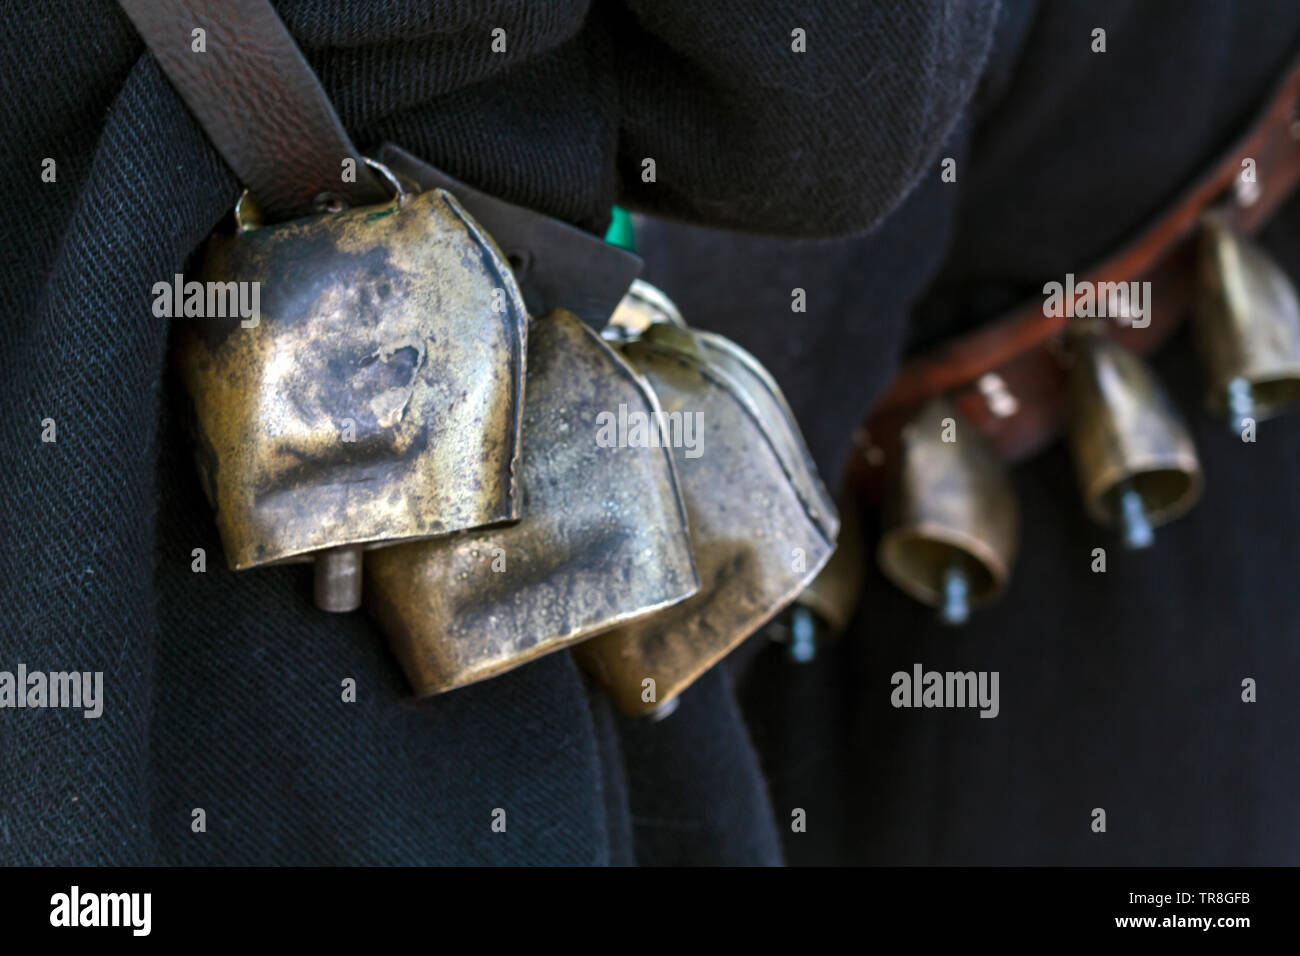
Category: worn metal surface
[761,523]
[1125,433]
[1247,322]
[603,540]
[379,397]
[558,266]
[834,594]
[951,506]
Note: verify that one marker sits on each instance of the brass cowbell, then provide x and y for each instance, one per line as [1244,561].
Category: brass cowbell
[1135,459]
[1247,326]
[761,524]
[952,522]
[603,540]
[823,610]
[375,399]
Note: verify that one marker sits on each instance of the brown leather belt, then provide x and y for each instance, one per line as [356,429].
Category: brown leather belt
[1009,378]
[259,102]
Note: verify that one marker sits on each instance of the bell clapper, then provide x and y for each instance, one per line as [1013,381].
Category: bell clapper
[1241,403]
[1133,518]
[803,635]
[338,579]
[664,710]
[955,609]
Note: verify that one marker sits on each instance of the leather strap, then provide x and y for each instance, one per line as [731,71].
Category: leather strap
[558,266]
[259,102]
[1009,378]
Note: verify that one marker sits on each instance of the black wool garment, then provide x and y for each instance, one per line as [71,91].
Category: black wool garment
[222,691]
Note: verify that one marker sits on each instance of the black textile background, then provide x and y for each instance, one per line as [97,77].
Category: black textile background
[223,690]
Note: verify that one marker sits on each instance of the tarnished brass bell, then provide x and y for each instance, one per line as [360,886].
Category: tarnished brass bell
[603,540]
[952,523]
[1247,325]
[761,524]
[825,607]
[375,399]
[1135,459]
